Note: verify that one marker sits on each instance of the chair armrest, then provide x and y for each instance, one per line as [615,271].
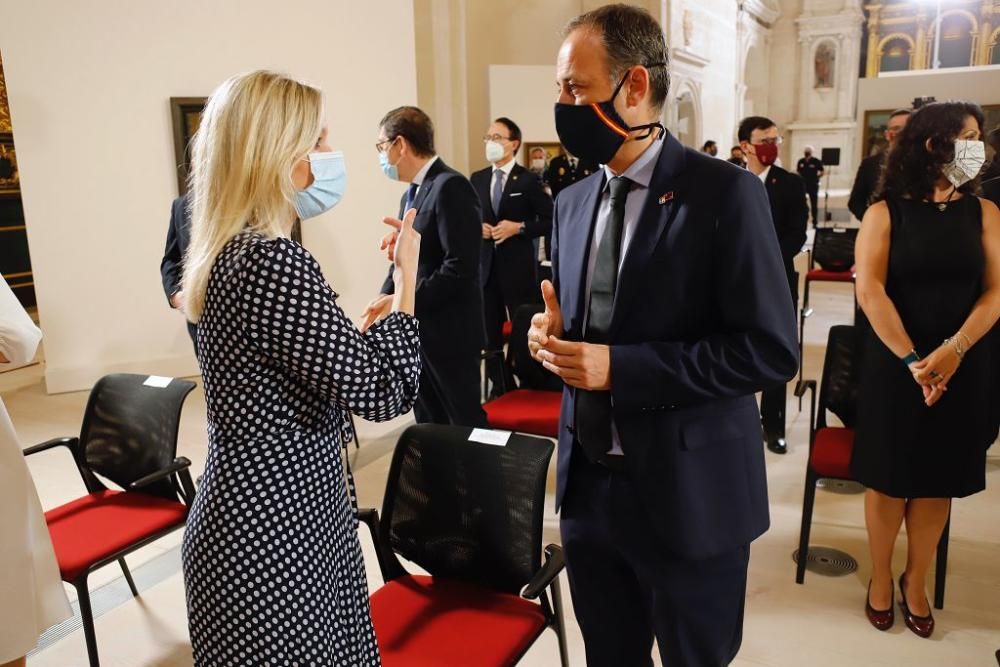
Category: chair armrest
[68,443]
[803,386]
[555,561]
[180,463]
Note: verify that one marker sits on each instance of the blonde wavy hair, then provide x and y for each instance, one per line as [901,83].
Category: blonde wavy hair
[254,129]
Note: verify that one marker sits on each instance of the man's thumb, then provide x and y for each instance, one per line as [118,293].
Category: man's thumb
[549,296]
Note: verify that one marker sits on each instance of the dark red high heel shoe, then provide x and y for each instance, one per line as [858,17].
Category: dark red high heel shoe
[922,626]
[882,619]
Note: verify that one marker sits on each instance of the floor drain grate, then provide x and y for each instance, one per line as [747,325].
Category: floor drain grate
[828,561]
[842,486]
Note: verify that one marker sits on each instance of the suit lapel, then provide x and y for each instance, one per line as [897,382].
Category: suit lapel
[575,239]
[482,183]
[664,198]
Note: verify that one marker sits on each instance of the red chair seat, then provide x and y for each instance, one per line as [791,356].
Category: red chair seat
[95,527]
[423,622]
[831,454]
[821,275]
[531,411]
[508,326]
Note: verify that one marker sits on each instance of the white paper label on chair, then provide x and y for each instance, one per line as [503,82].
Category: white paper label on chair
[157,381]
[490,437]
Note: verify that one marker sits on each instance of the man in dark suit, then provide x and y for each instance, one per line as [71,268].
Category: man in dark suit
[172,264]
[810,168]
[669,311]
[516,211]
[760,139]
[870,170]
[449,296]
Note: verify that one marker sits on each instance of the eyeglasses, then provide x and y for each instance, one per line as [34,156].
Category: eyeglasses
[380,144]
[773,141]
[494,137]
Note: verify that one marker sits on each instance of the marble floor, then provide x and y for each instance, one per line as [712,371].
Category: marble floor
[820,623]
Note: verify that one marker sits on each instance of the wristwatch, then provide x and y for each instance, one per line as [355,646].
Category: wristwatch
[523,228]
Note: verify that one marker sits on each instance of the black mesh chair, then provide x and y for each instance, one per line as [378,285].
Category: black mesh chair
[534,406]
[831,447]
[129,437]
[470,515]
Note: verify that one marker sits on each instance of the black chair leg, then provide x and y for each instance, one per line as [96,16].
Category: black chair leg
[807,512]
[128,577]
[87,616]
[941,566]
[560,628]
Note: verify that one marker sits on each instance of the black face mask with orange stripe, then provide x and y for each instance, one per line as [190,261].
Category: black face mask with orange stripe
[595,132]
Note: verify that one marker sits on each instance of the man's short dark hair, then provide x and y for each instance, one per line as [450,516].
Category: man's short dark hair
[512,128]
[993,139]
[708,144]
[631,37]
[751,123]
[736,148]
[900,112]
[412,124]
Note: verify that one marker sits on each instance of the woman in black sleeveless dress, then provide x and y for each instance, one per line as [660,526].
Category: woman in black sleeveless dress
[928,270]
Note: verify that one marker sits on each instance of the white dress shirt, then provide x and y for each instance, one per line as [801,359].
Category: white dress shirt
[506,169]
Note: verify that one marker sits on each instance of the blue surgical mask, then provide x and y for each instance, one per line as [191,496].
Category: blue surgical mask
[327,189]
[390,170]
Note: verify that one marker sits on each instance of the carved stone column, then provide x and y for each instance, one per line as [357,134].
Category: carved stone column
[918,59]
[871,71]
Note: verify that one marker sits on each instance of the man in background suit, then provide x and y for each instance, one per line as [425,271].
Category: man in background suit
[810,168]
[870,170]
[449,298]
[172,264]
[787,195]
[669,311]
[564,171]
[516,211]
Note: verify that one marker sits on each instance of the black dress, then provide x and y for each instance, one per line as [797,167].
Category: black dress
[272,561]
[903,448]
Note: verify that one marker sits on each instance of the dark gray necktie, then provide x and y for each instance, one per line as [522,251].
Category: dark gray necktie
[593,408]
[497,190]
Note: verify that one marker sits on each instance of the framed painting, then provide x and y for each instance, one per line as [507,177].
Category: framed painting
[185,115]
[10,180]
[552,150]
[873,138]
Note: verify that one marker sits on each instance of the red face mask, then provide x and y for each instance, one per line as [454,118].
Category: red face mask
[766,153]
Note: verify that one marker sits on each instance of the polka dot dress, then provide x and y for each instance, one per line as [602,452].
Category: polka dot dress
[272,562]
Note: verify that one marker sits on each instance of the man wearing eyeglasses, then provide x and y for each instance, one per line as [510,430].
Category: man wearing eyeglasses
[516,211]
[449,303]
[870,169]
[760,141]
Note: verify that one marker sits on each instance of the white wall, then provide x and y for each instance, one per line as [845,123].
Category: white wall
[89,86]
[525,94]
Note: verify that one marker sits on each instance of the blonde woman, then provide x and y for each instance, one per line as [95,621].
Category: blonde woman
[272,562]
[34,598]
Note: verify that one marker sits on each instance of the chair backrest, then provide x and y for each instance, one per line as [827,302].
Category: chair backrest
[466,510]
[530,373]
[838,390]
[130,431]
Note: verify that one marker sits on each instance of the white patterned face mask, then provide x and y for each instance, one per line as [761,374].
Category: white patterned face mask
[970,156]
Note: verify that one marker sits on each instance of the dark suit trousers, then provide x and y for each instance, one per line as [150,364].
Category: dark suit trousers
[626,590]
[774,400]
[500,301]
[449,390]
[812,189]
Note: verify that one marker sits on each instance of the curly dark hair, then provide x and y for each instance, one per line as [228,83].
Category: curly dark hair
[911,170]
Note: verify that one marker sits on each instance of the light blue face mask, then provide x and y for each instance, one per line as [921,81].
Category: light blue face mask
[327,189]
[389,170]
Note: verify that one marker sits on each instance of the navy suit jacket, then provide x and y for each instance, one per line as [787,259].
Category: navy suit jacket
[702,320]
[178,238]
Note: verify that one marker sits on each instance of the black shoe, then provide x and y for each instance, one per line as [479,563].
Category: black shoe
[777,445]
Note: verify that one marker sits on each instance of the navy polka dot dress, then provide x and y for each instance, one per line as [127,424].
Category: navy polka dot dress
[272,562]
